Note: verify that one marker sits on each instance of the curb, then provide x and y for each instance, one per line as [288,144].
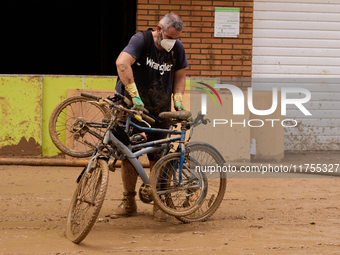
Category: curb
[42,162]
[52,162]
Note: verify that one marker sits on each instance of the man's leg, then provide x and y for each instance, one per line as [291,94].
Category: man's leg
[152,164]
[129,176]
[158,214]
[128,206]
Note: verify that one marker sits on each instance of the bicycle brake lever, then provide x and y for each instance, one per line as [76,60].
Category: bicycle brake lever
[205,121]
[138,117]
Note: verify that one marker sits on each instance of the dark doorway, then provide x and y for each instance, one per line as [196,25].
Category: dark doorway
[64,37]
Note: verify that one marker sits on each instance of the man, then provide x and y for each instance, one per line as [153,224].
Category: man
[151,72]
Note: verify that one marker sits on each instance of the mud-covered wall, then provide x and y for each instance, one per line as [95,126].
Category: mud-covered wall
[26,103]
[20,115]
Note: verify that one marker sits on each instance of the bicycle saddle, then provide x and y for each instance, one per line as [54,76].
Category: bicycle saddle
[181,115]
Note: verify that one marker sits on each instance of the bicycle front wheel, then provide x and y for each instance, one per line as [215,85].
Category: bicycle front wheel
[207,157]
[87,202]
[76,126]
[175,193]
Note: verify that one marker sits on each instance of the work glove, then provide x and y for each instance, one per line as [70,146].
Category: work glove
[137,104]
[178,97]
[136,100]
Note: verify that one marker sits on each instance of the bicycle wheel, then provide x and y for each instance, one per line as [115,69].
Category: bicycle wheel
[207,155]
[172,195]
[87,202]
[76,126]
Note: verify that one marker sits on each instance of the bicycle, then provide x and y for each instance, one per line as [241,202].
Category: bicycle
[89,129]
[76,125]
[174,186]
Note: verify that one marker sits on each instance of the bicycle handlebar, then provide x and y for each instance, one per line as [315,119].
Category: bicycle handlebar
[134,113]
[198,120]
[85,94]
[128,102]
[125,100]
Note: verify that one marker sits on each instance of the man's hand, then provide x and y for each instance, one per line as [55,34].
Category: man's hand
[136,100]
[179,106]
[178,97]
[137,104]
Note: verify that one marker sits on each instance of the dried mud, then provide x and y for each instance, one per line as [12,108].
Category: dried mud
[295,215]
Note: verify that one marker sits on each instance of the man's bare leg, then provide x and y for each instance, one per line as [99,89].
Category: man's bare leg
[129,176]
[128,207]
[152,164]
[158,214]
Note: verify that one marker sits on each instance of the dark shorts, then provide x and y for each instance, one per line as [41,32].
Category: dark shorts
[154,156]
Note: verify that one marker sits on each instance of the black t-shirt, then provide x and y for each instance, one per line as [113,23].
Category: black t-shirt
[154,72]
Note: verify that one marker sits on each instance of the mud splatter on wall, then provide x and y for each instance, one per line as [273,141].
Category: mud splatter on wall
[20,113]
[23,148]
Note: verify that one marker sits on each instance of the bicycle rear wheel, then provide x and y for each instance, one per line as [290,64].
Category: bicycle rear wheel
[171,194]
[207,156]
[86,202]
[76,126]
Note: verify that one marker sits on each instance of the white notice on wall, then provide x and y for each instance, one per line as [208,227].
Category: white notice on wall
[227,22]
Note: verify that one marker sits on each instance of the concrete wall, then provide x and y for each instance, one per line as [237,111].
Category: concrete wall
[270,137]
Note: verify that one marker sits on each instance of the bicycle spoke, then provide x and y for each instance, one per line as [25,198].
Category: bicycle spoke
[205,155]
[171,196]
[72,129]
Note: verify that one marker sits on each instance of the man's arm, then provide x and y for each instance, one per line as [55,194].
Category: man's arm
[179,88]
[179,81]
[124,63]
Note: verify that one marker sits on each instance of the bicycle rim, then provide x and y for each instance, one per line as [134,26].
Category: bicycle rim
[171,197]
[86,202]
[76,126]
[206,155]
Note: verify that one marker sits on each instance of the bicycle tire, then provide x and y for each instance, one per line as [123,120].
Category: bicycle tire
[86,202]
[205,154]
[67,129]
[167,195]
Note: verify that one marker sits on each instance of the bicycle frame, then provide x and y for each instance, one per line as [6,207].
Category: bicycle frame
[144,148]
[148,147]
[96,125]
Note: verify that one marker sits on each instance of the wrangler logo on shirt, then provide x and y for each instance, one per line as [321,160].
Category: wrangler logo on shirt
[162,68]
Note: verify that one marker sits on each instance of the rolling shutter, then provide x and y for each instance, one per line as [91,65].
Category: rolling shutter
[296,43]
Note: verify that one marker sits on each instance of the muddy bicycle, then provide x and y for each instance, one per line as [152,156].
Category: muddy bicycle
[174,185]
[76,125]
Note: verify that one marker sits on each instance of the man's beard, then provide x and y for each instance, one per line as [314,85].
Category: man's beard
[159,39]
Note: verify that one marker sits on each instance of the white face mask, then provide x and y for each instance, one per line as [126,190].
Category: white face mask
[167,44]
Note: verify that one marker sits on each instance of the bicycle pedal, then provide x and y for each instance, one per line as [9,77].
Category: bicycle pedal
[112,168]
[144,194]
[186,204]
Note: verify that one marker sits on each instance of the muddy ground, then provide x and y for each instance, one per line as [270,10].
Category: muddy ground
[284,214]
